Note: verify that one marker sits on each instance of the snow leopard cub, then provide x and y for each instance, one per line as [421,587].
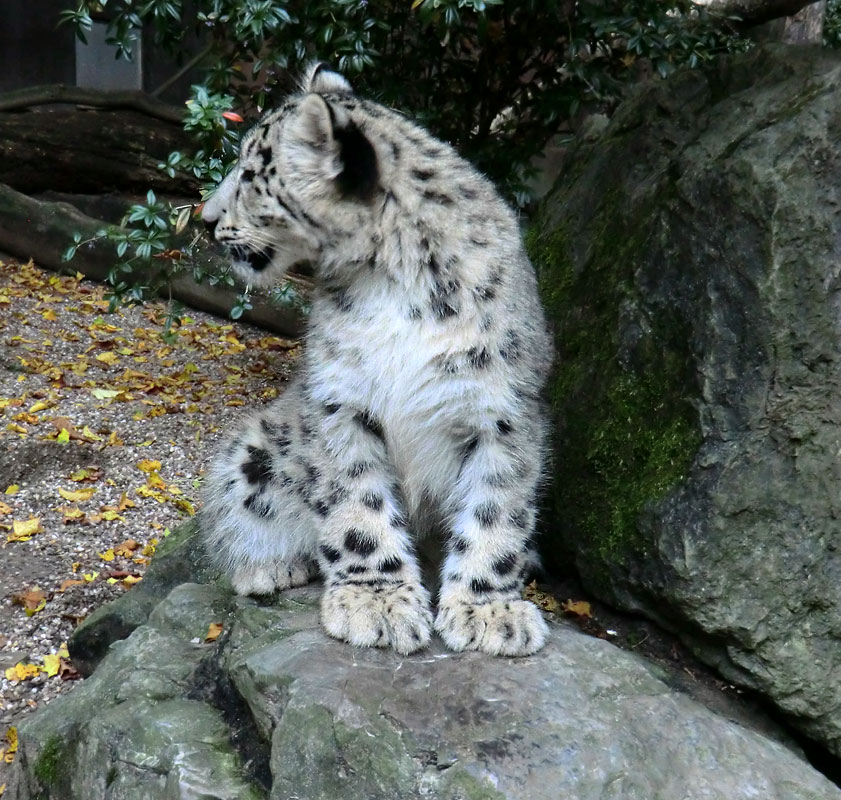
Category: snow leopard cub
[418,396]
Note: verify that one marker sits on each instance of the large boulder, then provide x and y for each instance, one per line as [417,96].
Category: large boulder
[690,259]
[274,708]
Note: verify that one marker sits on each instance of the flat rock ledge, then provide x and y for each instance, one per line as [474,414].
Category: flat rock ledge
[276,709]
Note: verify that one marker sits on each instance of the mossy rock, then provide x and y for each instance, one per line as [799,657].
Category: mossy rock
[688,260]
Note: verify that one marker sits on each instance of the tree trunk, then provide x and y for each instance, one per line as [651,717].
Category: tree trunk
[42,231]
[90,151]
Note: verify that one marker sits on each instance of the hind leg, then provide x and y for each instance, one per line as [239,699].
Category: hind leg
[259,520]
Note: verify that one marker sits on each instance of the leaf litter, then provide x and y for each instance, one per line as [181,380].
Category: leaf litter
[106,421]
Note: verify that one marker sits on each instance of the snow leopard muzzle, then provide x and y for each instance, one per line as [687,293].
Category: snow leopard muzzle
[258,260]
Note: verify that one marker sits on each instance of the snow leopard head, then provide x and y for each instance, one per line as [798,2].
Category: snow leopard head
[304,173]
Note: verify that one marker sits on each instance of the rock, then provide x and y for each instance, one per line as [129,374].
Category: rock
[275,708]
[690,259]
[179,559]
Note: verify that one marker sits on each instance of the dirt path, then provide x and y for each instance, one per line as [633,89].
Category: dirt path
[106,421]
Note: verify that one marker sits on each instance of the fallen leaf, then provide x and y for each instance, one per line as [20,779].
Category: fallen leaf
[578,608]
[148,466]
[4,509]
[67,672]
[89,474]
[108,555]
[32,600]
[52,664]
[63,424]
[7,753]
[72,514]
[126,548]
[66,584]
[13,489]
[24,530]
[104,394]
[77,495]
[213,631]
[22,672]
[542,599]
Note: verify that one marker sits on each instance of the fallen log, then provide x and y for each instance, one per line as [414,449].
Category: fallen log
[87,151]
[97,98]
[43,231]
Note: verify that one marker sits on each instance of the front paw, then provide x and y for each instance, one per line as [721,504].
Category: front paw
[381,615]
[272,576]
[498,627]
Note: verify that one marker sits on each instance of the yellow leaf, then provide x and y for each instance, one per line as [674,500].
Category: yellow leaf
[107,357]
[110,514]
[71,513]
[104,394]
[15,428]
[49,315]
[4,509]
[63,436]
[90,435]
[184,505]
[92,473]
[148,466]
[24,530]
[149,549]
[22,672]
[52,664]
[90,577]
[108,555]
[7,753]
[13,489]
[154,481]
[77,495]
[39,406]
[213,631]
[62,651]
[130,580]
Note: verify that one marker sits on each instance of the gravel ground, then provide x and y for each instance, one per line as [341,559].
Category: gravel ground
[106,423]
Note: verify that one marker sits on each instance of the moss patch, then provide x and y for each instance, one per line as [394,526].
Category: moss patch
[625,431]
[49,768]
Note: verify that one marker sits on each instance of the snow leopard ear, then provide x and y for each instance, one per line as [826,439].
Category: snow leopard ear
[330,130]
[320,78]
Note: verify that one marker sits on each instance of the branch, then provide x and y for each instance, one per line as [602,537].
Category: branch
[182,72]
[42,231]
[98,98]
[755,12]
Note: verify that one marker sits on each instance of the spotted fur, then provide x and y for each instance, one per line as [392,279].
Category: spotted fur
[419,388]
